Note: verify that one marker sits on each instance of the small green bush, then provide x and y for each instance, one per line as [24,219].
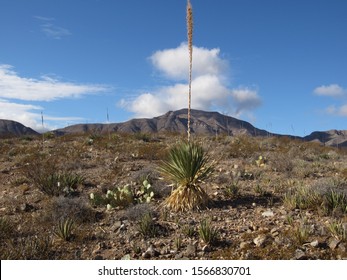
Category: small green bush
[207,233]
[65,228]
[335,201]
[147,227]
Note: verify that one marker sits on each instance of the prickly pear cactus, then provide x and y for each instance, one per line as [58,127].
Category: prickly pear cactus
[146,193]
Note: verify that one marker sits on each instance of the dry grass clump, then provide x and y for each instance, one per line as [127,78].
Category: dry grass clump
[302,197]
[338,229]
[243,147]
[46,176]
[35,247]
[6,228]
[77,208]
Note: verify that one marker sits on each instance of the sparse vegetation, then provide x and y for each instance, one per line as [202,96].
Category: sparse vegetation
[296,198]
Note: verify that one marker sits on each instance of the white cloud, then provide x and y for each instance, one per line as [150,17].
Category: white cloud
[13,86]
[332,90]
[209,85]
[24,90]
[339,111]
[246,99]
[174,63]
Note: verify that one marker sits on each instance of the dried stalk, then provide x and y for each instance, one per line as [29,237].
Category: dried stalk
[190,48]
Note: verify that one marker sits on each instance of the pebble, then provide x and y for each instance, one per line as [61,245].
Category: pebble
[150,253]
[260,240]
[206,248]
[126,257]
[25,207]
[333,244]
[116,225]
[274,232]
[314,243]
[268,213]
[243,245]
[300,254]
[342,248]
[190,250]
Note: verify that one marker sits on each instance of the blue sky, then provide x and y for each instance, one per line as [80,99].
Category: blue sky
[279,64]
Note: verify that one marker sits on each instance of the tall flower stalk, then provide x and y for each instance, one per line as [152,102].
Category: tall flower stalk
[190,48]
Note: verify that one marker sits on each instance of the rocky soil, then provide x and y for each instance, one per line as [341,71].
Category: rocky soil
[251,212]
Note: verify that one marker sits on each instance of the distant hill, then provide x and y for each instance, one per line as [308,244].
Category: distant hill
[205,123]
[210,123]
[10,128]
[335,138]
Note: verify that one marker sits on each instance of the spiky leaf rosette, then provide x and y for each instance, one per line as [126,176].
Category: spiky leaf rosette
[187,166]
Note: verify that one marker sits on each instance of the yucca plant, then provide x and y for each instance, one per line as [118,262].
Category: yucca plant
[335,200]
[65,228]
[207,233]
[187,166]
[338,230]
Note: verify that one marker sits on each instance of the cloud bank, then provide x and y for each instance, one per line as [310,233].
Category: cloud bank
[332,90]
[18,93]
[44,89]
[210,90]
[336,91]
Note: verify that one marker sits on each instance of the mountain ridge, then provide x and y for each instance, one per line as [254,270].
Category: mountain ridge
[9,128]
[202,122]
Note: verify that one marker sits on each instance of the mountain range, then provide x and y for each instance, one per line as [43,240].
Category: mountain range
[202,122]
[10,128]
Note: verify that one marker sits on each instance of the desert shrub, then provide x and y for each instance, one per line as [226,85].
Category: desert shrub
[302,197]
[46,176]
[344,173]
[146,226]
[145,137]
[152,151]
[55,184]
[282,163]
[243,147]
[136,212]
[29,248]
[77,208]
[6,228]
